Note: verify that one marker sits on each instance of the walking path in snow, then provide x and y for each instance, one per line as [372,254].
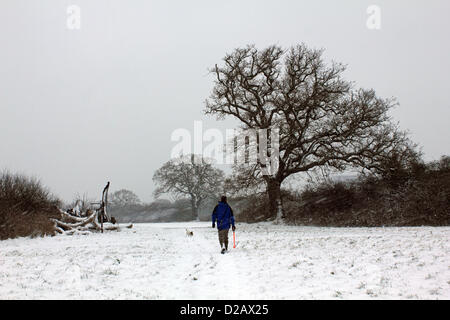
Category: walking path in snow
[158,261]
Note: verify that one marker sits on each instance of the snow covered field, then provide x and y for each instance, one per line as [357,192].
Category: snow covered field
[158,261]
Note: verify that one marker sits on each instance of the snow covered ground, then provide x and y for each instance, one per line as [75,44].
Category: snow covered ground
[158,261]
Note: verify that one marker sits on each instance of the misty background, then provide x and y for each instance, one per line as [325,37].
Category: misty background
[82,107]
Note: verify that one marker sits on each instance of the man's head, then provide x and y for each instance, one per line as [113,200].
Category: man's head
[223,199]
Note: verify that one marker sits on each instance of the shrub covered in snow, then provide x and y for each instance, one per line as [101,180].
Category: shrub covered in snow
[414,197]
[418,197]
[26,207]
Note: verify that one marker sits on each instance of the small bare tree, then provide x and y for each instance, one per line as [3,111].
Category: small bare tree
[124,198]
[323,121]
[189,176]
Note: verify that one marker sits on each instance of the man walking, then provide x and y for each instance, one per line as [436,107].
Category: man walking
[223,214]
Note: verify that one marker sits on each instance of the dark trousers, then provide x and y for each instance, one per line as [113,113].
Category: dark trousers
[223,238]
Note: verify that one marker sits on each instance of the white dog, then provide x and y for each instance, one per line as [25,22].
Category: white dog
[189,233]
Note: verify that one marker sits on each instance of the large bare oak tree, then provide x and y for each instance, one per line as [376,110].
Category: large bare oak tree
[323,120]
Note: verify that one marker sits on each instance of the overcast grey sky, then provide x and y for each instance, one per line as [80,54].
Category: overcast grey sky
[81,107]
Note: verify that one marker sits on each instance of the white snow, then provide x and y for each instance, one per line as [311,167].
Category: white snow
[158,261]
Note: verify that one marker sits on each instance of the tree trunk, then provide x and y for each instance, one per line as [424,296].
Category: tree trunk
[275,202]
[194,209]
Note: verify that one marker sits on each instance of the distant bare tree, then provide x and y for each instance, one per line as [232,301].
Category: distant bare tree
[192,177]
[123,198]
[323,120]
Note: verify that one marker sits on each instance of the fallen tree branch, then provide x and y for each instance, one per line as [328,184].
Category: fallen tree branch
[94,220]
[81,225]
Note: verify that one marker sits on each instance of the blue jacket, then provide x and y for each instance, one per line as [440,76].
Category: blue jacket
[223,214]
